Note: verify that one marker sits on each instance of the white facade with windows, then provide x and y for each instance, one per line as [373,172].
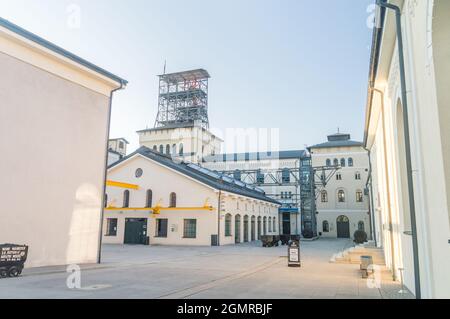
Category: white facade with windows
[188,143]
[425,27]
[182,189]
[343,204]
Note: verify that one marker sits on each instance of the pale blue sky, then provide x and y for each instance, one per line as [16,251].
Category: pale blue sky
[297,65]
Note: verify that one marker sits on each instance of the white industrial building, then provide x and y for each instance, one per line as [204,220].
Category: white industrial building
[152,199]
[117,149]
[54,123]
[277,173]
[408,105]
[342,205]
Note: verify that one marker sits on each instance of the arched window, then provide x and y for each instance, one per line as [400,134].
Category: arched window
[341,196]
[106,200]
[174,149]
[274,227]
[167,149]
[359,196]
[324,196]
[350,162]
[237,175]
[173,200]
[270,224]
[328,162]
[149,199]
[155,148]
[181,149]
[161,149]
[228,225]
[343,162]
[286,175]
[361,226]
[325,226]
[336,162]
[126,199]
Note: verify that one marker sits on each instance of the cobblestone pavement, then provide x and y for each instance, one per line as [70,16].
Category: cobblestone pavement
[230,272]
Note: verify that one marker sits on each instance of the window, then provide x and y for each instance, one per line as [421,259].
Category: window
[336,162]
[173,200]
[121,145]
[149,198]
[325,226]
[106,200]
[328,162]
[274,228]
[324,197]
[111,227]
[190,228]
[259,177]
[237,175]
[361,226]
[339,177]
[181,149]
[286,176]
[161,227]
[167,149]
[126,199]
[350,162]
[359,196]
[139,172]
[343,162]
[155,148]
[341,196]
[174,149]
[228,225]
[358,176]
[161,149]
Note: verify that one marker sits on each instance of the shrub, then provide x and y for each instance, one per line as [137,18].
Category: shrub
[360,237]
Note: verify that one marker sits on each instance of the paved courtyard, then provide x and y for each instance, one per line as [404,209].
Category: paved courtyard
[230,272]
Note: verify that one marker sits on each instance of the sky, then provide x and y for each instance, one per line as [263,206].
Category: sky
[294,65]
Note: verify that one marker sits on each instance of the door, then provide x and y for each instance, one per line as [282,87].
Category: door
[135,231]
[237,229]
[343,227]
[286,224]
[245,229]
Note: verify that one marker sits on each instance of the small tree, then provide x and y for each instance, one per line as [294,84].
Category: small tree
[360,237]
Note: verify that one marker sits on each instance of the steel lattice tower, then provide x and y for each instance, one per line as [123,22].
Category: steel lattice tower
[183,99]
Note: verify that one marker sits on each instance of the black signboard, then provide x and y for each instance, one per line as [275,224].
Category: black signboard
[13,254]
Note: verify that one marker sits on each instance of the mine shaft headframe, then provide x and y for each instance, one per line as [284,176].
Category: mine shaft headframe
[183,99]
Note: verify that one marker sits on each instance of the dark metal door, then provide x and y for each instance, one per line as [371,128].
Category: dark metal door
[135,231]
[286,224]
[343,227]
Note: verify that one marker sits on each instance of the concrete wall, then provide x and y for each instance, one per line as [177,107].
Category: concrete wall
[53,128]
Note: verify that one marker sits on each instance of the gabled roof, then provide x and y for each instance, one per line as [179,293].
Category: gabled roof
[234,157]
[203,175]
[52,47]
[119,139]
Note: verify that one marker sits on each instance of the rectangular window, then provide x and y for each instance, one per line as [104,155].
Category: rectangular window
[161,228]
[359,197]
[190,228]
[111,227]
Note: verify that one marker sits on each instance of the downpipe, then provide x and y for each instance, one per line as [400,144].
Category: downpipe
[412,208]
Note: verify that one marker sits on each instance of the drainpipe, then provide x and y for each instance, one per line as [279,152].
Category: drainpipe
[105,177]
[372,207]
[412,207]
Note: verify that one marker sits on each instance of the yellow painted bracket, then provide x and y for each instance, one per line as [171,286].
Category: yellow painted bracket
[122,185]
[157,210]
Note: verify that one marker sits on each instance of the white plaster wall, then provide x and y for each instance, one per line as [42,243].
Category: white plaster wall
[54,134]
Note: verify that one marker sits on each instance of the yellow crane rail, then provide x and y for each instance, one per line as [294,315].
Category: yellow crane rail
[122,185]
[157,210]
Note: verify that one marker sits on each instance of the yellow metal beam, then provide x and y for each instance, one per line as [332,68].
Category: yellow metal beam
[157,210]
[122,185]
